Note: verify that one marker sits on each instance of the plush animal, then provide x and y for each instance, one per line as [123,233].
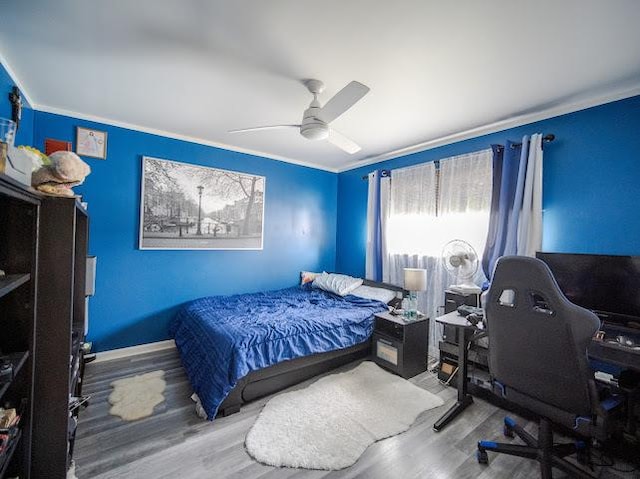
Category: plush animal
[65,171]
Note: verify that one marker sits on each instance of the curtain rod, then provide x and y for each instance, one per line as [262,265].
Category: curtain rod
[545,139]
[548,138]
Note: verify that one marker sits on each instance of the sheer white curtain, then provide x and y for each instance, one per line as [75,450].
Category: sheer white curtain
[465,198]
[426,210]
[412,210]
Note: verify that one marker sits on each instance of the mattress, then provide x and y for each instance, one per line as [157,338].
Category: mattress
[223,338]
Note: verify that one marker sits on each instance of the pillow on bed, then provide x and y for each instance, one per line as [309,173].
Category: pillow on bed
[369,292]
[339,284]
[307,277]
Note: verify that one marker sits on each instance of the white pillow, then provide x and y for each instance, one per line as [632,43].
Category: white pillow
[369,292]
[339,284]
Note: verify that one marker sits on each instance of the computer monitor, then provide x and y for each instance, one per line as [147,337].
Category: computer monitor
[606,284]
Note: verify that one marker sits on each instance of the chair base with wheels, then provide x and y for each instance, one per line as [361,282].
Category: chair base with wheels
[541,449]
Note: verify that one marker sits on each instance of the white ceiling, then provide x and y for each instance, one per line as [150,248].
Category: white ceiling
[197,68]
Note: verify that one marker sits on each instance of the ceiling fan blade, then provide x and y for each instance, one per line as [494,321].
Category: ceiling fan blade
[342,101]
[258,128]
[342,142]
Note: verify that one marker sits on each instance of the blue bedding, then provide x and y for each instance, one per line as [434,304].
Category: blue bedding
[223,338]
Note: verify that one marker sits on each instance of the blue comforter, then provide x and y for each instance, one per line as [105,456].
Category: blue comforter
[223,338]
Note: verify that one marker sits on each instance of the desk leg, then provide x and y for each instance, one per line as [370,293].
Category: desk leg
[464,399]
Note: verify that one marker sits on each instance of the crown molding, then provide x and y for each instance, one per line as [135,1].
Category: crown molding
[16,80]
[152,131]
[516,121]
[178,136]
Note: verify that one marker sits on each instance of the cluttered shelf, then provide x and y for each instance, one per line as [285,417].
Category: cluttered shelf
[15,361]
[7,448]
[10,435]
[45,233]
[10,282]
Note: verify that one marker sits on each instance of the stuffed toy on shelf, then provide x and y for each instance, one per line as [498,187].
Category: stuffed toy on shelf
[64,171]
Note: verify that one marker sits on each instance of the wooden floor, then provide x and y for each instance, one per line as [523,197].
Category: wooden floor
[175,443]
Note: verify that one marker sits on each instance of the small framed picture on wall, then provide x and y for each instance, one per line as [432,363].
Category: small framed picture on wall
[92,143]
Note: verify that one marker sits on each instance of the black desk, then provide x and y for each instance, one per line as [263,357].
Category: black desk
[608,352]
[465,336]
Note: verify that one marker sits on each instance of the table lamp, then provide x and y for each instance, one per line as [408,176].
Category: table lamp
[415,279]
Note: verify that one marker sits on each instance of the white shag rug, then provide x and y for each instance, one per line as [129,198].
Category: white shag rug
[135,397]
[329,424]
[71,472]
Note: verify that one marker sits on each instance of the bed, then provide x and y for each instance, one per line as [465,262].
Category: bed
[238,348]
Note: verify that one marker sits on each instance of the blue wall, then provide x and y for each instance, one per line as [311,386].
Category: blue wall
[591,184]
[138,292]
[591,187]
[25,131]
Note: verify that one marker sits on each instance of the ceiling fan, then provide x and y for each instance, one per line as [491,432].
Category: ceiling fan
[316,118]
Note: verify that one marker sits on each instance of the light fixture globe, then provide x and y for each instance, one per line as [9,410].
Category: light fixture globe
[315,131]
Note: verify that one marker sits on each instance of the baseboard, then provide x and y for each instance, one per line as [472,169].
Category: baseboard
[134,350]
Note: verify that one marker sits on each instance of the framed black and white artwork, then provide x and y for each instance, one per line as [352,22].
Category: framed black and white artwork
[186,206]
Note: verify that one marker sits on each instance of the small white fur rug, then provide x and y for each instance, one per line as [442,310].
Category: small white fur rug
[135,397]
[329,424]
[71,472]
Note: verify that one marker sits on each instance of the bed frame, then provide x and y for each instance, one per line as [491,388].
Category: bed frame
[280,376]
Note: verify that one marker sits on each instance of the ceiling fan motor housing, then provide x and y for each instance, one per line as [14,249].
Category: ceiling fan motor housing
[312,127]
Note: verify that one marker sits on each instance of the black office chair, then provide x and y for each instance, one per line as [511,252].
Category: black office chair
[538,360]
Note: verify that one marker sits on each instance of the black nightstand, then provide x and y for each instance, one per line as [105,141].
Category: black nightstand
[401,346]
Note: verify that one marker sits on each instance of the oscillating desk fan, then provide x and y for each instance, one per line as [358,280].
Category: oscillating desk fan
[461,262]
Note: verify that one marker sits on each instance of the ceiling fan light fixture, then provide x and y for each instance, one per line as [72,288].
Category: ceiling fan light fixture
[315,131]
[316,118]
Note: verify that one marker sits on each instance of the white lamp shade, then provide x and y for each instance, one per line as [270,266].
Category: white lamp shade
[415,279]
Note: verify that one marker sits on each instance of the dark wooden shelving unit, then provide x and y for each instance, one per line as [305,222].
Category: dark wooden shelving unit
[43,252]
[19,217]
[17,360]
[64,235]
[11,282]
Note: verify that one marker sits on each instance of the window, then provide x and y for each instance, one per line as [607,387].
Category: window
[433,203]
[421,208]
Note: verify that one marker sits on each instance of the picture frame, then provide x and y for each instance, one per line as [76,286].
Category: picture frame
[184,206]
[52,145]
[91,143]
